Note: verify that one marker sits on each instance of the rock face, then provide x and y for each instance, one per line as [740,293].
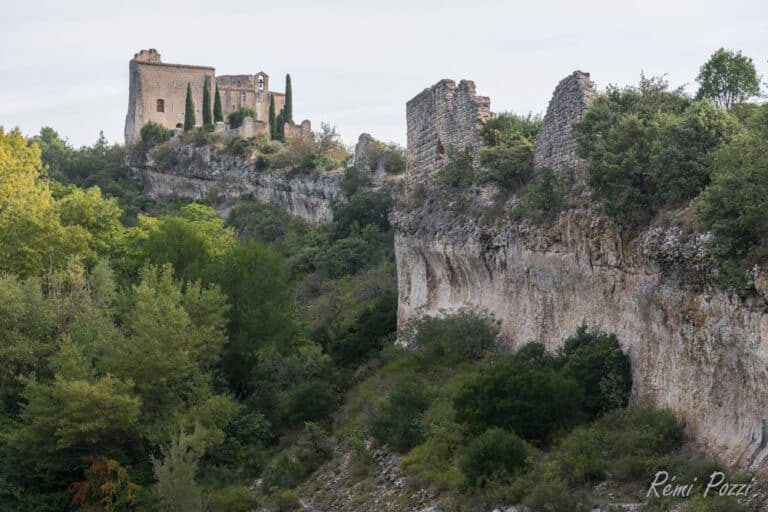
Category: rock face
[201,172]
[694,349]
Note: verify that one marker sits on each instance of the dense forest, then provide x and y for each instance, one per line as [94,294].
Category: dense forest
[154,356]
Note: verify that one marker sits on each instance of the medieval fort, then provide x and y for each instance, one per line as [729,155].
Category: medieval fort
[157,93]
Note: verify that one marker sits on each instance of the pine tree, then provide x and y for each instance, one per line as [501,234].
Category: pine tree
[288,108]
[218,113]
[272,118]
[189,110]
[207,122]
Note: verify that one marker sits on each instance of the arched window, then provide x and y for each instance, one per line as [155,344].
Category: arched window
[261,83]
[161,105]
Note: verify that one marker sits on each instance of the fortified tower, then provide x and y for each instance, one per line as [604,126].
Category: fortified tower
[441,117]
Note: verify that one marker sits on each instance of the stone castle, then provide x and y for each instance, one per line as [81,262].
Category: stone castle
[158,90]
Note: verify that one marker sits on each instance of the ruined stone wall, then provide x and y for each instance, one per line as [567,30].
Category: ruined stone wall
[694,349]
[151,80]
[555,146]
[439,118]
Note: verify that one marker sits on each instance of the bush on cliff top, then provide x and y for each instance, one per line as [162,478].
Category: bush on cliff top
[649,148]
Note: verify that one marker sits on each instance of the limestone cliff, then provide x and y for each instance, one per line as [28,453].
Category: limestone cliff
[694,349]
[204,173]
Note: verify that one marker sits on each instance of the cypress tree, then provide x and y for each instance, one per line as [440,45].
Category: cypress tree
[272,119]
[189,110]
[288,109]
[207,122]
[218,113]
[280,128]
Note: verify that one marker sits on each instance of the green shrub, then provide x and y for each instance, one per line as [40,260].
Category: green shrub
[595,360]
[153,134]
[542,199]
[363,208]
[165,157]
[580,456]
[284,500]
[554,495]
[310,401]
[459,169]
[374,327]
[236,118]
[234,498]
[398,422]
[292,466]
[508,155]
[458,337]
[714,504]
[532,402]
[431,464]
[494,456]
[735,204]
[391,156]
[648,148]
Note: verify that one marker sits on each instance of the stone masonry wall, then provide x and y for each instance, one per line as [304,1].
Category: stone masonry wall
[439,118]
[555,146]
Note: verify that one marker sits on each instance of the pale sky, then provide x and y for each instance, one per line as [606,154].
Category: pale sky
[64,63]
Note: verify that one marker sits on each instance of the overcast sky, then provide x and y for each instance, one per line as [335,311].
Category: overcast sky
[64,63]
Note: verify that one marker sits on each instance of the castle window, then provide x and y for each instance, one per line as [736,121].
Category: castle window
[261,83]
[161,105]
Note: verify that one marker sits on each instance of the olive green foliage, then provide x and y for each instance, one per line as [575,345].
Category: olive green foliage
[363,208]
[537,395]
[310,401]
[398,423]
[463,336]
[728,78]
[649,148]
[459,169]
[236,118]
[176,489]
[595,360]
[495,455]
[100,165]
[207,115]
[218,113]
[294,465]
[734,206]
[153,134]
[534,402]
[507,158]
[390,156]
[234,498]
[189,110]
[542,199]
[175,323]
[714,504]
[366,336]
[316,152]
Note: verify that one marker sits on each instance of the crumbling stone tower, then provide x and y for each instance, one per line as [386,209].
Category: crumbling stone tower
[555,146]
[438,118]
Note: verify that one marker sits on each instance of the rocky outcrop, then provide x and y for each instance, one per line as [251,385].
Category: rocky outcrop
[203,173]
[695,350]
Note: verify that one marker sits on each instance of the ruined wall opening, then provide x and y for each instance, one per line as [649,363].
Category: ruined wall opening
[161,105]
